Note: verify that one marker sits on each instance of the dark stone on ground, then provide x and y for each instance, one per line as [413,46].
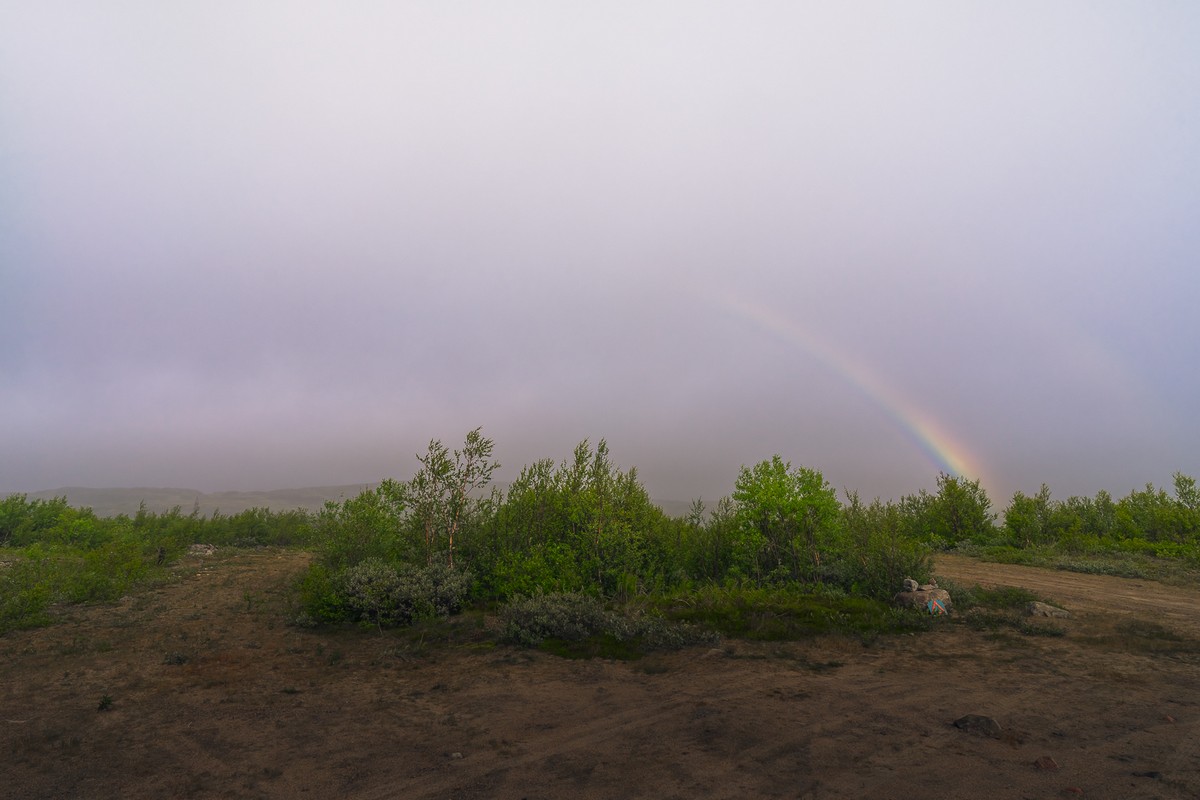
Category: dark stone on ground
[978,724]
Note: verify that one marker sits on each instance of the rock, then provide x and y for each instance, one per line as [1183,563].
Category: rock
[910,585]
[920,598]
[456,755]
[978,724]
[201,550]
[1036,609]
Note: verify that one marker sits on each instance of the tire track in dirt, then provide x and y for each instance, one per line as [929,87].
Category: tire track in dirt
[617,711]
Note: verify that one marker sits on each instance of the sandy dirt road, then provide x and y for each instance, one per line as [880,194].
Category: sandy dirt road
[1087,596]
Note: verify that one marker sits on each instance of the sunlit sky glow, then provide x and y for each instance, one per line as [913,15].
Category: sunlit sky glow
[278,244]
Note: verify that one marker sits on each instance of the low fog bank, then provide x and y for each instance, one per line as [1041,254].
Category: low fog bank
[111,502]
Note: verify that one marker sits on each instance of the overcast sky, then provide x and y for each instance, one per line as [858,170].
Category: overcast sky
[256,245]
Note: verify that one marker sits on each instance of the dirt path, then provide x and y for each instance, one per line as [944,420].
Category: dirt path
[214,695]
[1086,595]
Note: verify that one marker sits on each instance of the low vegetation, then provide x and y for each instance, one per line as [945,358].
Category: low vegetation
[999,609]
[575,557]
[52,554]
[575,624]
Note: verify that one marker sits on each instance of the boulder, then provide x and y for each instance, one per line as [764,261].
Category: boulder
[978,724]
[910,585]
[921,598]
[1036,609]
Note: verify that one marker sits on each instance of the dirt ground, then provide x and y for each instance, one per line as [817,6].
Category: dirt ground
[209,692]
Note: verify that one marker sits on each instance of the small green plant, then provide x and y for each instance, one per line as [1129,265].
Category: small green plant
[106,703]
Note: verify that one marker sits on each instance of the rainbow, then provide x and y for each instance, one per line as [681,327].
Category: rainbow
[946,452]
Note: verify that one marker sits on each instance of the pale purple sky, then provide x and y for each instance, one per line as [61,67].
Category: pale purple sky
[276,244]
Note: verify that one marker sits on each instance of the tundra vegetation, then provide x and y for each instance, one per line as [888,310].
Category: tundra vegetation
[575,557]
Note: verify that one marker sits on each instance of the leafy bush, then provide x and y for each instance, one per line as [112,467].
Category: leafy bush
[787,520]
[436,590]
[542,569]
[40,575]
[584,524]
[320,601]
[660,633]
[360,528]
[570,616]
[370,591]
[25,593]
[382,593]
[877,551]
[574,618]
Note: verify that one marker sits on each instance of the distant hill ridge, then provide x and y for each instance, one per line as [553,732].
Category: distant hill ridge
[111,502]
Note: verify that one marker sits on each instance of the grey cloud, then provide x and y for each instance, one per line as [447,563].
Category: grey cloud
[252,247]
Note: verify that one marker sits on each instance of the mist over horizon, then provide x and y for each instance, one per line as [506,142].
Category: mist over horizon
[284,246]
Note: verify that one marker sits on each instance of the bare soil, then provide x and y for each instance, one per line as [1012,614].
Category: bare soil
[208,691]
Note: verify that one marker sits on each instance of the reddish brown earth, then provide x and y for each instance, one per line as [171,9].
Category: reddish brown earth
[259,708]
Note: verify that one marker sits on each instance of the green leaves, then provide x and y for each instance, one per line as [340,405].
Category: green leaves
[443,493]
[786,519]
[584,523]
[961,511]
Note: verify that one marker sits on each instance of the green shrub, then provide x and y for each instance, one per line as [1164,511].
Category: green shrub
[660,633]
[370,591]
[541,570]
[571,616]
[436,590]
[25,593]
[103,575]
[381,593]
[41,575]
[319,599]
[578,625]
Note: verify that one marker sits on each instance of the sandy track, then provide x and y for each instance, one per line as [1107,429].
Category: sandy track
[1086,595]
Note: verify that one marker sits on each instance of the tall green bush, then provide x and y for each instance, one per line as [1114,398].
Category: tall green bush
[787,521]
[878,552]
